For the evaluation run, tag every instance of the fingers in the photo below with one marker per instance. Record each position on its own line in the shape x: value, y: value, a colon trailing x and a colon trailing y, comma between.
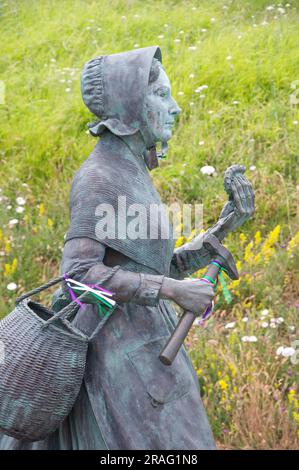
x: 243, y: 195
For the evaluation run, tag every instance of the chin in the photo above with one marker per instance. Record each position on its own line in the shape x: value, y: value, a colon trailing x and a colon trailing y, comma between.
x: 166, y: 136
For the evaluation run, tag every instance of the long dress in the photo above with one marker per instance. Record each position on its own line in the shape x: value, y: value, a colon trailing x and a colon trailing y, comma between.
x: 128, y: 399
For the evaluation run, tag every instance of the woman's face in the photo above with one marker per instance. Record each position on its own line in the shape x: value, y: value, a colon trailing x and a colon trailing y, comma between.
x: 160, y: 109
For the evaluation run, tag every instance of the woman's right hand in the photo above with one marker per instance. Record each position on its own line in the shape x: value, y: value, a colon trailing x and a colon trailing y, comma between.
x: 192, y: 295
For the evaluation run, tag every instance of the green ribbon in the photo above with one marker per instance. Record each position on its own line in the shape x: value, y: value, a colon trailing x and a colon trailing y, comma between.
x: 226, y: 293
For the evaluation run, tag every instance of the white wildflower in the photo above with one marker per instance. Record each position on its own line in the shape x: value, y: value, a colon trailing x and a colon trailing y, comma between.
x: 252, y: 168
x: 265, y: 312
x: 191, y: 75
x: 288, y: 352
x: 245, y: 319
x: 12, y: 222
x: 232, y: 324
x: 20, y: 201
x: 67, y: 90
x: 180, y: 93
x: 207, y: 170
x: 201, y: 142
x: 265, y: 324
x: 20, y: 209
x: 11, y: 286
x: 229, y: 57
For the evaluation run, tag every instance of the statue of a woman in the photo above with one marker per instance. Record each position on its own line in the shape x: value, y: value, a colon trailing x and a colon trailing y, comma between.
x: 129, y: 399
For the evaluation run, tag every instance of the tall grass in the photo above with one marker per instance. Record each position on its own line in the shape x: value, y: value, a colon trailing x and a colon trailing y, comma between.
x: 245, y: 56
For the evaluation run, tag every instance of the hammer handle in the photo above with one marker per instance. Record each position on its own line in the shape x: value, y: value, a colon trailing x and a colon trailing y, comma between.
x: 180, y: 332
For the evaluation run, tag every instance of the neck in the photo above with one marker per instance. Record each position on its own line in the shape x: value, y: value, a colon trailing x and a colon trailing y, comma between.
x: 135, y: 142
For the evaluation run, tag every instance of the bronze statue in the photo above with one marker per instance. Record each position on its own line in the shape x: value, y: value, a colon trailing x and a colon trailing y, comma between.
x: 129, y: 399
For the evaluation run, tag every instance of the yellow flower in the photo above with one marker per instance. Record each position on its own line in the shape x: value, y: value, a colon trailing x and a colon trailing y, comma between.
x: 1, y: 235
x: 257, y: 237
x: 248, y: 255
x: 223, y: 385
x: 293, y: 243
x: 9, y: 269
x: 296, y: 416
x: 291, y: 396
x: 191, y: 236
x: 199, y: 371
x: 41, y: 209
x: 6, y: 245
x: 50, y: 223
x: 243, y: 237
x: 179, y: 242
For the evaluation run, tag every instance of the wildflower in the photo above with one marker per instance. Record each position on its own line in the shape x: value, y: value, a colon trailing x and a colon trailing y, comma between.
x: 295, y: 123
x: 50, y: 223
x: 242, y: 237
x: 179, y: 242
x: 291, y: 395
x: 180, y: 93
x: 161, y: 36
x: 191, y: 75
x: 191, y: 103
x: 201, y: 88
x: 11, y: 286
x: 288, y: 352
x: 236, y: 102
x: 212, y: 20
x: 192, y: 48
x: 265, y: 324
x: 257, y: 237
x: 201, y: 142
x: 68, y: 90
x: 20, y: 209
x: 176, y: 40
x: 223, y: 385
x: 265, y: 312
x: 252, y: 168
x: 248, y: 255
x: 207, y: 170
x: 12, y: 223
x: 249, y: 339
x: 20, y: 201
x: 229, y: 57
x: 285, y: 351
x: 232, y: 324
x: 41, y: 209
x: 292, y: 328
x: 281, y: 10
x: 245, y: 319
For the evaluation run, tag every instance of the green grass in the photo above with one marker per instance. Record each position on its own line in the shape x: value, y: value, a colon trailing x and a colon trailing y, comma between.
x: 248, y: 59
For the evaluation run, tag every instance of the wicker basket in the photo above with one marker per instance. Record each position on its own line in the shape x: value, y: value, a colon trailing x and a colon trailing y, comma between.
x: 43, y: 365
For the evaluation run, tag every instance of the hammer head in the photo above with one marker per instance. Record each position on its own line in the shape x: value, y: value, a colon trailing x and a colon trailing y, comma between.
x: 213, y: 245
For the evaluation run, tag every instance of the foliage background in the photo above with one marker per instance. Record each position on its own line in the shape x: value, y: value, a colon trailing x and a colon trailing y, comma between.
x: 245, y: 55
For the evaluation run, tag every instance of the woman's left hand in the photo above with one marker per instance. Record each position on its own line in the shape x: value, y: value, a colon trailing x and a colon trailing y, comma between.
x: 240, y: 206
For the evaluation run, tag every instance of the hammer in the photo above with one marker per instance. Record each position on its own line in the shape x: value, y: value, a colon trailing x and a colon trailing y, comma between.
x: 222, y: 259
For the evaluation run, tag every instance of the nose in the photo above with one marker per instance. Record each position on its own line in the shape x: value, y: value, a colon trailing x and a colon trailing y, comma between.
x: 174, y: 108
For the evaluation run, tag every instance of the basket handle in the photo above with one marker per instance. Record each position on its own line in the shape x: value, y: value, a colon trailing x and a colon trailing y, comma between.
x: 50, y: 283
